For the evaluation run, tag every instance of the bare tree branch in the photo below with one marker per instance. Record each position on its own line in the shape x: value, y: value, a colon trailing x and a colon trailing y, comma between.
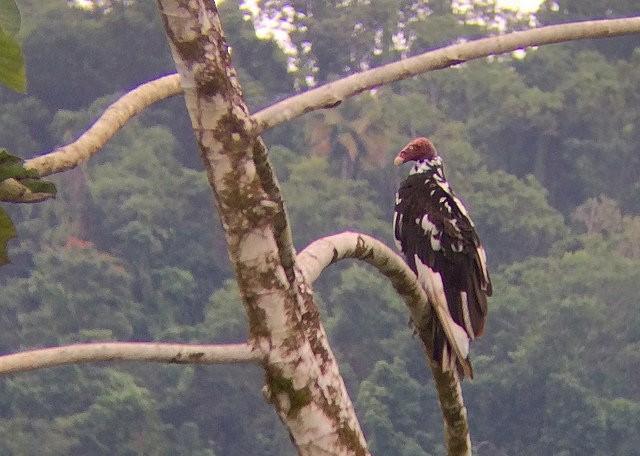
x: 320, y: 254
x: 91, y: 141
x: 302, y: 376
x: 108, y: 124
x: 333, y: 93
x: 316, y: 257
x: 128, y: 351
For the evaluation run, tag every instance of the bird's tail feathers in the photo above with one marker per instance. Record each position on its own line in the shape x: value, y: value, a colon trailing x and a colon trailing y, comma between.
x: 448, y: 335
x: 447, y: 357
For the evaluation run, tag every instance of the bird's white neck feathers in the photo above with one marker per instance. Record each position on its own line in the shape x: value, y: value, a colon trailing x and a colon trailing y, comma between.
x: 427, y: 165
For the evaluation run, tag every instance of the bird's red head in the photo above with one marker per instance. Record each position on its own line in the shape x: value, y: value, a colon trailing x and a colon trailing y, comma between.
x: 417, y: 149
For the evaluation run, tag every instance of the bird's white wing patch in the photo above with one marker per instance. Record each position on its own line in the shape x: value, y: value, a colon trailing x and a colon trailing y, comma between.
x: 397, y: 229
x: 397, y: 222
x: 463, y: 209
x: 431, y: 231
x: 465, y: 314
x: 483, y: 262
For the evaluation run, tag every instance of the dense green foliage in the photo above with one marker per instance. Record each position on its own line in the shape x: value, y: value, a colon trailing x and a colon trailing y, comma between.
x: 544, y: 150
x: 12, y: 167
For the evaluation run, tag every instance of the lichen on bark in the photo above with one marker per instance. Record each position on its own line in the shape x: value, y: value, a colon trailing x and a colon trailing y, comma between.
x: 277, y: 384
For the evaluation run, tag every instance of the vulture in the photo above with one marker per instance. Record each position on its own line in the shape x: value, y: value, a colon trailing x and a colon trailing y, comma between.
x: 435, y: 234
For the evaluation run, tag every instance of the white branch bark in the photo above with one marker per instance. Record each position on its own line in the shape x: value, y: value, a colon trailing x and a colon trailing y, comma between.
x: 323, y: 252
x: 306, y: 387
x: 316, y: 257
x: 107, y: 125
x: 326, y: 96
x: 127, y: 351
x: 320, y: 254
x: 332, y: 94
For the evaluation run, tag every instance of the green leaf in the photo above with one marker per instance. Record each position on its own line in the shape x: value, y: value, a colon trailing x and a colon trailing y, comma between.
x: 7, y: 231
x: 9, y: 17
x: 39, y: 186
x: 12, y: 167
x: 15, y: 170
x: 6, y: 157
x: 12, y: 71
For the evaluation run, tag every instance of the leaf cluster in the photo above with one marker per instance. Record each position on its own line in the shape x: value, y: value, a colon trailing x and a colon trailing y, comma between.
x: 12, y: 167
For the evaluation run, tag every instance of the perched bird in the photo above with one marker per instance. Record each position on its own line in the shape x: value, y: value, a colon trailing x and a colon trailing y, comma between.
x: 438, y: 239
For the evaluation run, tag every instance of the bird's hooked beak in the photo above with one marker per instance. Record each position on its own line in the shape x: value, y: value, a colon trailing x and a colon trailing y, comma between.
x: 401, y: 158
x: 404, y: 154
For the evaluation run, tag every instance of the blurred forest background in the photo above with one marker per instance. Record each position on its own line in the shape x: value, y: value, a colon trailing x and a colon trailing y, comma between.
x: 544, y: 148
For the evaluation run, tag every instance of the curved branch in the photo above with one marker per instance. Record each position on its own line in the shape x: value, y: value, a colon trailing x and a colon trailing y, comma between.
x: 323, y: 252
x: 316, y: 257
x: 107, y: 125
x: 320, y: 254
x: 127, y: 351
x: 332, y: 94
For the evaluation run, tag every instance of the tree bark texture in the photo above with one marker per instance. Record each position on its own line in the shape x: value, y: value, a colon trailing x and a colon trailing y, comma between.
x: 302, y: 377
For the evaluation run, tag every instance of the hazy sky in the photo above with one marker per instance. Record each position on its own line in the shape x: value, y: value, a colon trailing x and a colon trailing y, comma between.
x: 524, y: 5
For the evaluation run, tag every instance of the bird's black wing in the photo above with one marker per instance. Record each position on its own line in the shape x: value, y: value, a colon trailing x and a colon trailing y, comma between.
x: 434, y: 232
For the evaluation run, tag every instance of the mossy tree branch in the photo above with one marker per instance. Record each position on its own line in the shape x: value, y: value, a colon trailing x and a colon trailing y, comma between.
x: 325, y: 96
x: 285, y: 331
x: 324, y: 252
